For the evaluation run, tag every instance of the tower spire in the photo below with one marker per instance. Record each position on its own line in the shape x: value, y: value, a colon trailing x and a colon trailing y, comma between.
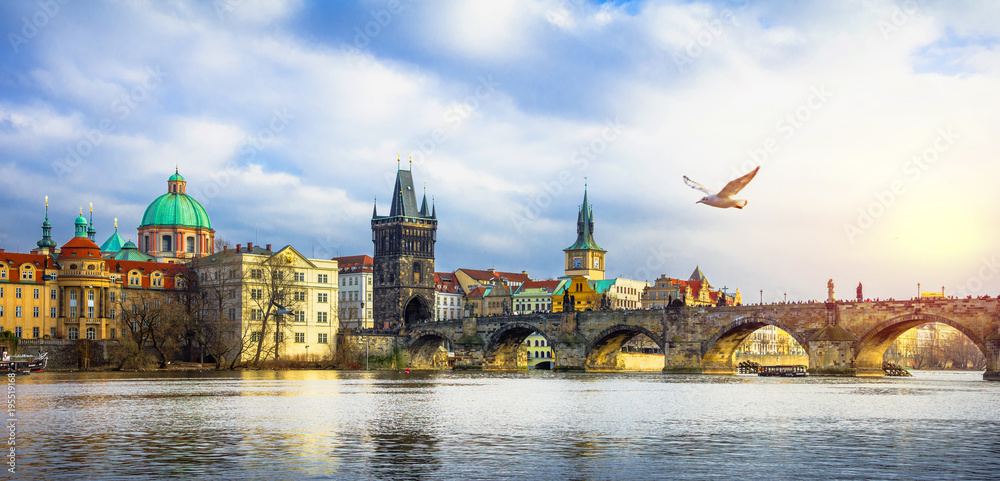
x: 91, y: 231
x: 375, y: 208
x: 46, y: 242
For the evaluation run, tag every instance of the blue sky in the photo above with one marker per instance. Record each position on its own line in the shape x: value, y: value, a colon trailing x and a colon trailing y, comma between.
x: 873, y: 123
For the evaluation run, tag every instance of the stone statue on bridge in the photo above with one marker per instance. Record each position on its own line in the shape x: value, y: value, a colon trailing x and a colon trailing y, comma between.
x: 860, y: 297
x: 829, y: 291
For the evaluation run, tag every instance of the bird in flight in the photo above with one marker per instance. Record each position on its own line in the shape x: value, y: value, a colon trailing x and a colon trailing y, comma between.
x: 724, y: 199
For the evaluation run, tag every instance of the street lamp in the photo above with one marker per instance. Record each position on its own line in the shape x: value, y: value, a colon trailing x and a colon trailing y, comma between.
x: 279, y: 336
x: 762, y: 297
x: 307, y: 352
x: 786, y: 299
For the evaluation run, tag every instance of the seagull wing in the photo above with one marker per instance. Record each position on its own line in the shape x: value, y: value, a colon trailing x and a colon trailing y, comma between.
x: 695, y: 185
x: 736, y: 185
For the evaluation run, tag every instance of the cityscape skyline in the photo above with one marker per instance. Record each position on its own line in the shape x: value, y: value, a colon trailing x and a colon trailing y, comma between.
x: 871, y: 124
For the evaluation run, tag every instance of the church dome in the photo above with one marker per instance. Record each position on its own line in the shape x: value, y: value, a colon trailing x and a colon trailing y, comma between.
x: 176, y: 208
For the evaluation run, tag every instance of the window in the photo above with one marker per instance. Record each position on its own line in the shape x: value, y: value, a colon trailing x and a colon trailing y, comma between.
x: 52, y: 332
x: 17, y: 311
x: 322, y: 297
x: 232, y: 314
x: 27, y: 274
x: 52, y: 295
x: 300, y: 277
x: 189, y: 244
x: 52, y: 312
x: 17, y: 332
x: 300, y: 316
x: 3, y: 273
x: 37, y: 293
x: 35, y: 312
x: 123, y: 296
x: 279, y: 337
x: 300, y: 295
x: 112, y: 315
x: 91, y: 333
x: 167, y: 243
x: 321, y: 338
x: 133, y: 280
x: 256, y: 293
x: 322, y: 278
x: 17, y: 292
x: 112, y: 333
x: 300, y: 337
x: 1, y: 291
x: 74, y: 333
x: 321, y: 317
x: 255, y: 336
x: 34, y: 332
x: 256, y: 273
x: 111, y: 296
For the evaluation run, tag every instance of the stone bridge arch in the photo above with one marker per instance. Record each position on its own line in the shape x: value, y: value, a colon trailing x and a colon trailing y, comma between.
x: 424, y: 350
x: 602, y: 352
x: 717, y: 351
x: 501, y: 350
x: 869, y: 349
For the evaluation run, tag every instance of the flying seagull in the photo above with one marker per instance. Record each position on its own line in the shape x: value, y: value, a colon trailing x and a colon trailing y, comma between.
x: 724, y: 198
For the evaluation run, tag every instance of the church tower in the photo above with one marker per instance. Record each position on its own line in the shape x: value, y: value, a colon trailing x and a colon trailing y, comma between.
x: 585, y: 257
x: 403, y: 268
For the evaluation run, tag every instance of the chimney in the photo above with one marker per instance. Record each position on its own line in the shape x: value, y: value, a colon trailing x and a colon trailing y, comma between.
x: 239, y: 247
x: 269, y: 247
x: 249, y: 246
x: 225, y: 248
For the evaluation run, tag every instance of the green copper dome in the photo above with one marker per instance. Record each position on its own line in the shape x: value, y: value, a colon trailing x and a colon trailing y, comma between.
x: 176, y: 177
x: 176, y: 210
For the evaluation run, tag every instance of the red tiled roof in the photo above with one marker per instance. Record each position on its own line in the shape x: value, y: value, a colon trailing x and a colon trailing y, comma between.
x: 476, y: 293
x: 445, y: 282
x: 80, y: 248
x: 15, y: 260
x: 490, y: 275
x: 361, y: 263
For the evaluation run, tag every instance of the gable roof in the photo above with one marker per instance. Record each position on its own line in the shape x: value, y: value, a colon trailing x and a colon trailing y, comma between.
x: 486, y: 276
x: 547, y: 287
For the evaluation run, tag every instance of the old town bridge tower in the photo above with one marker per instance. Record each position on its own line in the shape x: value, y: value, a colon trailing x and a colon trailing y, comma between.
x: 404, y: 258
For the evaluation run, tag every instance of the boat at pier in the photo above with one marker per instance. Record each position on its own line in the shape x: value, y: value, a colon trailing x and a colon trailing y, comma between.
x: 782, y: 371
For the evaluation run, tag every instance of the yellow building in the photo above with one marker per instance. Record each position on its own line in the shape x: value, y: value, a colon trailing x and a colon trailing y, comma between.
x: 280, y: 302
x: 538, y: 352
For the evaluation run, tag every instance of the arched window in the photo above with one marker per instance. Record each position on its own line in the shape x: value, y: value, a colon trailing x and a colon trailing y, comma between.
x: 74, y: 333
x: 189, y: 245
x: 167, y: 243
x: 416, y: 272
x: 91, y: 333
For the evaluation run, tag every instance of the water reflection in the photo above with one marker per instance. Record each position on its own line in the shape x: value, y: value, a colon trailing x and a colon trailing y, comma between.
x: 443, y: 425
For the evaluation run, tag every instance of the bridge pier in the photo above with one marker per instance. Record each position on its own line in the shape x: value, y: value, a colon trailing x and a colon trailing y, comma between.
x: 992, y: 358
x: 831, y: 353
x: 570, y: 353
x: 683, y: 357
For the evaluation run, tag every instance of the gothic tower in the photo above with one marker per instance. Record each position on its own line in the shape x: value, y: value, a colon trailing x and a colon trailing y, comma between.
x: 404, y: 258
x: 585, y: 257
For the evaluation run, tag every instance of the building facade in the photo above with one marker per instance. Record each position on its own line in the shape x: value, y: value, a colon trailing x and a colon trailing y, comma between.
x: 535, y: 296
x: 449, y: 299
x: 356, y: 291
x: 403, y: 264
x: 278, y: 304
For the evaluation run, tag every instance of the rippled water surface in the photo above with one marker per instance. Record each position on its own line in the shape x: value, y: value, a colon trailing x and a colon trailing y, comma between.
x: 529, y: 426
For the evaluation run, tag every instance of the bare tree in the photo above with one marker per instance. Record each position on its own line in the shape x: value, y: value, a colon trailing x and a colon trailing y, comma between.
x: 215, y: 294
x: 272, y: 290
x: 150, y: 320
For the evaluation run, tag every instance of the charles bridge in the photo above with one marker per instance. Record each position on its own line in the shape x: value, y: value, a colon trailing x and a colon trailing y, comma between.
x: 841, y: 338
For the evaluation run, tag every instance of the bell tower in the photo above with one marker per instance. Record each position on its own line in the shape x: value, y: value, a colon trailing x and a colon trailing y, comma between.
x: 403, y: 267
x: 585, y: 258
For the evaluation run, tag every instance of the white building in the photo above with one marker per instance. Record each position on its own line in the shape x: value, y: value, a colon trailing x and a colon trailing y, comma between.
x: 356, y: 291
x: 449, y: 298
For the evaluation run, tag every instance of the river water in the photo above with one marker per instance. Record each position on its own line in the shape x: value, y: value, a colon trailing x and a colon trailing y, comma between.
x: 527, y: 425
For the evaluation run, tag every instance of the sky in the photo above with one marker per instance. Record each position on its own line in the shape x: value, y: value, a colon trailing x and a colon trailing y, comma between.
x: 873, y: 122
